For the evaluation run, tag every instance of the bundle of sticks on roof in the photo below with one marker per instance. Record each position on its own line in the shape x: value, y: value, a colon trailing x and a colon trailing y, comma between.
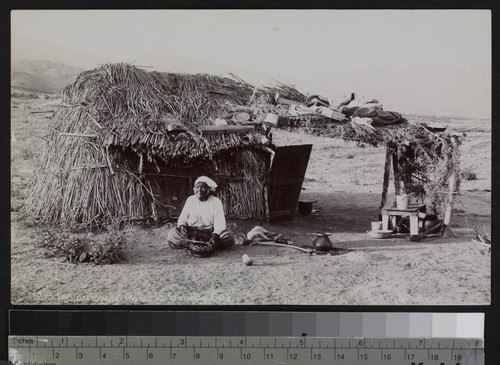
x: 85, y: 174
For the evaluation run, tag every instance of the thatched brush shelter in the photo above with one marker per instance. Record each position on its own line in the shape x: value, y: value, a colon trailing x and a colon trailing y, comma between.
x: 424, y: 161
x: 126, y: 144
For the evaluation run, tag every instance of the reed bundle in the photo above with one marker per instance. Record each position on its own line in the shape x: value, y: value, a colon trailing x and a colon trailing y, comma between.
x: 243, y: 175
x: 285, y: 91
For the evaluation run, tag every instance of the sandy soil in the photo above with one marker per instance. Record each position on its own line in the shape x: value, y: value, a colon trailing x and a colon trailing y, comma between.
x: 346, y: 181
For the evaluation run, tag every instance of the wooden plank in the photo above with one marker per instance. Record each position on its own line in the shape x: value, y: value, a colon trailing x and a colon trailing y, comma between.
x: 219, y: 129
x: 78, y: 135
x: 293, y: 181
x: 281, y: 100
x: 285, y: 180
x: 282, y: 213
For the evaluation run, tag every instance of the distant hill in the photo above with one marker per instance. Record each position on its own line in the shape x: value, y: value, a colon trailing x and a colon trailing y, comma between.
x: 42, y: 76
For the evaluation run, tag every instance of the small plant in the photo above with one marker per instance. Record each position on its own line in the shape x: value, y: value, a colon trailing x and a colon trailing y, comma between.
x: 111, y: 249
x: 468, y: 174
x: 63, y: 243
x: 106, y: 248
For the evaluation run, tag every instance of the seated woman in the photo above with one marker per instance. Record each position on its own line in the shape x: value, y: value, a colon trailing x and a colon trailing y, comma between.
x: 202, y: 219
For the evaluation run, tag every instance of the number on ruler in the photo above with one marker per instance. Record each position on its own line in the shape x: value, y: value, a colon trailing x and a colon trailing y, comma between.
x: 292, y: 356
x: 386, y: 357
x: 316, y: 357
x: 363, y: 356
x: 246, y: 356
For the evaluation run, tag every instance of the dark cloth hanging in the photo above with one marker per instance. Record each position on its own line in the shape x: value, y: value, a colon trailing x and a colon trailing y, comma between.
x: 379, y: 117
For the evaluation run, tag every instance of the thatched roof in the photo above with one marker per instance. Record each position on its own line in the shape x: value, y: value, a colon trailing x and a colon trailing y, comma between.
x: 127, y: 106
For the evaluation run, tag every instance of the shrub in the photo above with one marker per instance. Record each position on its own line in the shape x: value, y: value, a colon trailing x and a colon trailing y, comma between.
x: 111, y: 249
x: 468, y: 174
x: 105, y: 248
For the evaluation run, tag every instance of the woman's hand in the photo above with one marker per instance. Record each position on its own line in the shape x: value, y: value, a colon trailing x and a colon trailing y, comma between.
x: 184, y: 230
x: 214, y: 240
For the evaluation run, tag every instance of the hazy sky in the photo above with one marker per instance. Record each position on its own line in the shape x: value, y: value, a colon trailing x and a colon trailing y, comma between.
x: 314, y: 49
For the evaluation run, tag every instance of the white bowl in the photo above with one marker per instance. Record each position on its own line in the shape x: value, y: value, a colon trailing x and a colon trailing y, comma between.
x: 379, y: 234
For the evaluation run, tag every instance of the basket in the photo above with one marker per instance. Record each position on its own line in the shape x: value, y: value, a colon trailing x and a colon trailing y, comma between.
x: 201, y: 249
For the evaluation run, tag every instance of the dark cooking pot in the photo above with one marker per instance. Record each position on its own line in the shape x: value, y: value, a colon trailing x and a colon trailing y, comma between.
x: 431, y: 224
x: 305, y: 207
x: 322, y: 242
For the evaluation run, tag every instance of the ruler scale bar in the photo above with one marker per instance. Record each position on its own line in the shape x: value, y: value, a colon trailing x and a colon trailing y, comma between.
x: 249, y: 350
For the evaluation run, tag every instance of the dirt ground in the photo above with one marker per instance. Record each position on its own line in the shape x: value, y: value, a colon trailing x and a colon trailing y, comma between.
x: 344, y: 178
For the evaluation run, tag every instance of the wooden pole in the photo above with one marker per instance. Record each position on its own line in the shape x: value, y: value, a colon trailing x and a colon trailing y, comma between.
x: 266, y: 202
x: 43, y: 111
x: 395, y: 169
x: 387, y: 173
x: 453, y: 186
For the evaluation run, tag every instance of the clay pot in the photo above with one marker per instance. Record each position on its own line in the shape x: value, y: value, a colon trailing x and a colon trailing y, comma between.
x: 322, y: 242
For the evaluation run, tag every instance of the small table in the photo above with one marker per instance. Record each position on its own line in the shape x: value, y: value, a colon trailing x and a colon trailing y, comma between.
x: 413, y: 211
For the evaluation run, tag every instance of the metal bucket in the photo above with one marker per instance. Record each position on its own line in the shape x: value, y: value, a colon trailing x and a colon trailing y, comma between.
x: 402, y: 202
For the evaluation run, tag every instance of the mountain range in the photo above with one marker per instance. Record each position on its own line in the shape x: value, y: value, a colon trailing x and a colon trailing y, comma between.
x: 42, y: 76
